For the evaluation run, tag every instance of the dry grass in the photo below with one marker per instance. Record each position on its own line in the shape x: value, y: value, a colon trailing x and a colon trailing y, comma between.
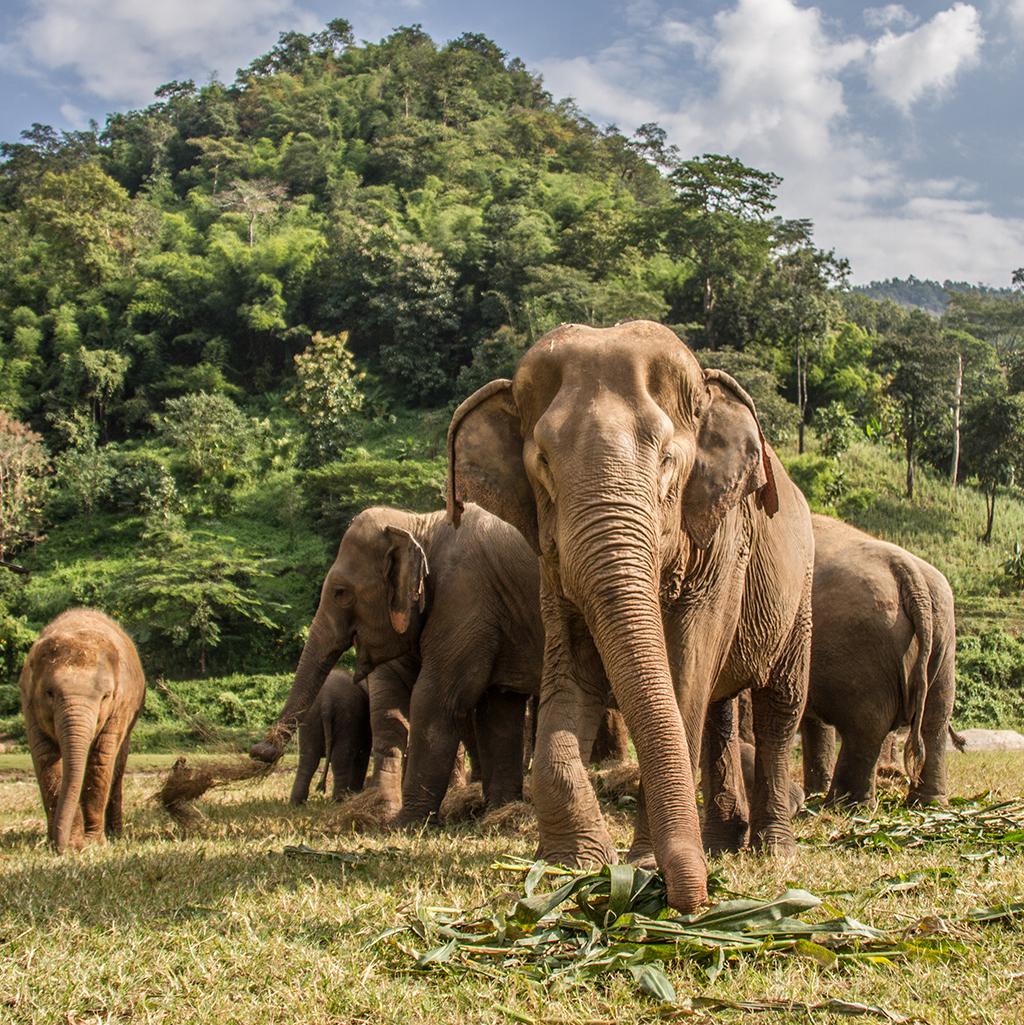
x: 222, y: 927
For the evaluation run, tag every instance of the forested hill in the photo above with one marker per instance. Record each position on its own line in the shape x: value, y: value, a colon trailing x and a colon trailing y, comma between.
x: 234, y: 318
x: 927, y: 295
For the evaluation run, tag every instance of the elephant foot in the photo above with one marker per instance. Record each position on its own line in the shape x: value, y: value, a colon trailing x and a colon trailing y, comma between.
x: 580, y: 852
x: 774, y: 839
x: 921, y: 798
x: 723, y: 836
x: 413, y: 819
x: 370, y: 810
x: 841, y: 800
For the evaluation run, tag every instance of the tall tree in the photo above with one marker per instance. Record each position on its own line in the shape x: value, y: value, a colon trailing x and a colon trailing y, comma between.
x: 921, y: 368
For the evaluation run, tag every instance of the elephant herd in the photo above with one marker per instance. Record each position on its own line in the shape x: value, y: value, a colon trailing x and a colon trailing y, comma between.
x: 618, y: 536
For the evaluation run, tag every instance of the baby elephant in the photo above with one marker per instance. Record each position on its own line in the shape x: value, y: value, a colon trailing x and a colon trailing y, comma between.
x: 82, y: 689
x: 337, y: 729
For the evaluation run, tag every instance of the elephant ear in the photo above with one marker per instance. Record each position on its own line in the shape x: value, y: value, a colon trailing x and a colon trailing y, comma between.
x: 405, y: 572
x: 485, y: 460
x: 733, y: 460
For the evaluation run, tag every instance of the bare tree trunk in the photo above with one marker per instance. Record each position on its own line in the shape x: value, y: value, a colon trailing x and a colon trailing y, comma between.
x: 910, y: 464
x: 801, y: 396
x: 990, y: 511
x: 954, y: 467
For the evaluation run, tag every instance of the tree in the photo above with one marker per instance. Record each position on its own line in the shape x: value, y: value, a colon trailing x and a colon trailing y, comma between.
x: 994, y: 446
x: 19, y: 357
x: 87, y: 218
x: 921, y: 368
x: 326, y: 395
x: 215, y: 439
x: 719, y: 219
x: 190, y: 588
x: 24, y: 466
x: 253, y: 199
x: 798, y: 309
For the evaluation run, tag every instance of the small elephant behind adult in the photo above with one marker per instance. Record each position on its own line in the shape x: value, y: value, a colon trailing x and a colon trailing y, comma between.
x: 883, y: 656
x: 335, y: 730
x: 449, y: 624
x: 82, y: 688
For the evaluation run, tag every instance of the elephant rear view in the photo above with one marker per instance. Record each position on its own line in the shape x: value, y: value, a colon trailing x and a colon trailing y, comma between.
x: 82, y: 688
x: 883, y: 655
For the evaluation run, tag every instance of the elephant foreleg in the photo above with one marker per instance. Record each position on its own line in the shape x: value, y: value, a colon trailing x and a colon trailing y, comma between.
x: 115, y: 805
x: 389, y: 726
x: 311, y: 749
x: 46, y: 761
x: 778, y: 708
x: 726, y: 808
x: 99, y: 778
x: 433, y: 742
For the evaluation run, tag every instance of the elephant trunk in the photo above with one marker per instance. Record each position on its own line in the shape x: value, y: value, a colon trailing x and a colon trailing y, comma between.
x: 319, y: 656
x: 612, y: 565
x: 76, y: 731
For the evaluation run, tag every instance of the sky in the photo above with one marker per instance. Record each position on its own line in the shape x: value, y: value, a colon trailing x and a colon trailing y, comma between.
x: 897, y: 128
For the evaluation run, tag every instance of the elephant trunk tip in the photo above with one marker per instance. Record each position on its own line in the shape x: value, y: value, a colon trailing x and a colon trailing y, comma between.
x: 271, y: 747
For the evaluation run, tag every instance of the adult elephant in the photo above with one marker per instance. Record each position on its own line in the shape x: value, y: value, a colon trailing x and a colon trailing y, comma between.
x: 448, y: 621
x: 336, y: 729
x: 883, y: 656
x: 676, y: 560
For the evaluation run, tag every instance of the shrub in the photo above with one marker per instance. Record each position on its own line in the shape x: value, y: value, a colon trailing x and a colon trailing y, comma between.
x: 338, y: 491
x: 989, y: 680
x: 836, y: 428
x: 24, y: 465
x: 326, y: 396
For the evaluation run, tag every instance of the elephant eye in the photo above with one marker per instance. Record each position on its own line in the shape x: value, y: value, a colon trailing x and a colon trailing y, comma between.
x: 542, y: 459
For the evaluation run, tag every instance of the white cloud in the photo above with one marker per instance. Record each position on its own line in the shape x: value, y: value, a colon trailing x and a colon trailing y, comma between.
x: 904, y: 68
x: 75, y: 116
x: 769, y: 86
x: 119, y: 50
x: 889, y: 15
x: 1015, y: 11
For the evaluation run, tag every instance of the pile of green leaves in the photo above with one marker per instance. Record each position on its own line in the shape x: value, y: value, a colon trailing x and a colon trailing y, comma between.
x: 618, y: 919
x: 967, y: 820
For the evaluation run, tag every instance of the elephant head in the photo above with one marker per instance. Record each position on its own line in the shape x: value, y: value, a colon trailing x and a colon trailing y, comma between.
x: 617, y: 457
x: 373, y: 597
x: 74, y: 680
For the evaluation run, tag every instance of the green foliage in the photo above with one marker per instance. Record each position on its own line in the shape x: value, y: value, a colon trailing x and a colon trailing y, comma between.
x: 836, y: 428
x: 1013, y: 568
x: 24, y: 464
x: 338, y: 491
x: 989, y: 679
x: 216, y: 443
x: 84, y: 476
x: 192, y: 588
x: 326, y: 395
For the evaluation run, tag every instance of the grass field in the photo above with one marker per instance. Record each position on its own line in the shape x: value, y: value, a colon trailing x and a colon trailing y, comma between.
x: 223, y: 927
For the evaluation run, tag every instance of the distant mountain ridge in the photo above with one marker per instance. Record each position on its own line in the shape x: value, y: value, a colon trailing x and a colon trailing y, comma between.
x: 923, y: 295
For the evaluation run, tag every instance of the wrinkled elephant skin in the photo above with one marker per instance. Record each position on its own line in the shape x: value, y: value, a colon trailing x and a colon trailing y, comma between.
x: 446, y: 626
x: 676, y: 559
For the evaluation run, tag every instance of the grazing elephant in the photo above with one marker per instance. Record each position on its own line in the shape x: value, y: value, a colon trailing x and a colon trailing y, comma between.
x: 676, y: 561
x: 336, y: 729
x: 82, y: 688
x: 449, y: 622
x: 883, y: 656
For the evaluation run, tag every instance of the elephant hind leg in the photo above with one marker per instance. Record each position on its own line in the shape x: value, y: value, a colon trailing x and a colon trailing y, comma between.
x: 818, y: 751
x: 500, y: 722
x: 931, y: 787
x: 854, y: 778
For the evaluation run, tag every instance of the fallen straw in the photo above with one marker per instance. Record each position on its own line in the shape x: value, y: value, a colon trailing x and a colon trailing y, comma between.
x: 185, y: 784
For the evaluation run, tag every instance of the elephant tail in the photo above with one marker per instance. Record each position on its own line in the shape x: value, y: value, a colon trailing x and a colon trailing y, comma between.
x: 321, y: 787
x: 917, y: 604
